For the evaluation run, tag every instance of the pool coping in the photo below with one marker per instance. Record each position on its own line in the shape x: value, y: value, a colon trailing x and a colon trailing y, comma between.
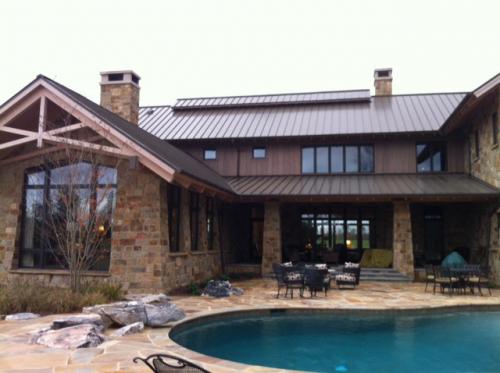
x: 209, y: 362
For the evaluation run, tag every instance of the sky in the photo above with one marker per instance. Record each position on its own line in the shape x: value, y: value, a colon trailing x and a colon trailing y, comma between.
x: 195, y: 48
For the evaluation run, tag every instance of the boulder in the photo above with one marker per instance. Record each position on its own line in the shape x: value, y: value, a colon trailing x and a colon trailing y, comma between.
x: 22, y: 316
x: 78, y: 336
x: 129, y: 329
x: 219, y: 289
x: 119, y: 313
x: 148, y: 298
x: 92, y: 318
x: 163, y: 314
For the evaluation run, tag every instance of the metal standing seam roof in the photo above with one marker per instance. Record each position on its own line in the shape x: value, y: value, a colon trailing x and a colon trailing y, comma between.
x: 362, y: 185
x: 180, y: 161
x: 381, y: 114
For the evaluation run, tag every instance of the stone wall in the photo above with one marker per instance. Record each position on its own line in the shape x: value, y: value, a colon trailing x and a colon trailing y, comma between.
x: 122, y: 99
x: 271, y: 250
x: 402, y: 239
x: 140, y: 258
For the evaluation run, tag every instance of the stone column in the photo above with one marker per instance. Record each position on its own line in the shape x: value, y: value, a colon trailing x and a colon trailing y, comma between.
x: 271, y: 250
x: 402, y: 239
x: 494, y: 255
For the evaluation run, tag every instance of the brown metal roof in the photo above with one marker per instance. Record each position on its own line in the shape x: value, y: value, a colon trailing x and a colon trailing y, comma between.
x: 362, y: 185
x: 382, y: 114
x: 273, y: 100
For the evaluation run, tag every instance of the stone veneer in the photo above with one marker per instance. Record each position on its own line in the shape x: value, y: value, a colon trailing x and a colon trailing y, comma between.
x: 402, y: 239
x: 271, y: 250
x: 140, y: 259
x: 122, y: 99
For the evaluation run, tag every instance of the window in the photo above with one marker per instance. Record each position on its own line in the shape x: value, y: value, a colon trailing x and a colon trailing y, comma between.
x: 259, y: 153
x: 210, y: 223
x: 494, y: 126
x: 337, y: 159
x: 174, y: 222
x: 476, y: 143
x: 431, y: 157
x: 210, y: 154
x: 194, y: 214
x: 56, y: 198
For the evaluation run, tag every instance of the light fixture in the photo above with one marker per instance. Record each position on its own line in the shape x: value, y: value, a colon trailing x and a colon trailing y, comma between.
x: 348, y: 243
x: 101, y: 228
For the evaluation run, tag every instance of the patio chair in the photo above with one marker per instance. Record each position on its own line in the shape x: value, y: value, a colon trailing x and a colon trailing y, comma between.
x: 480, y: 279
x: 430, y: 277
x: 278, y: 274
x: 445, y: 280
x: 294, y: 279
x: 163, y: 363
x: 316, y: 280
x: 349, y: 276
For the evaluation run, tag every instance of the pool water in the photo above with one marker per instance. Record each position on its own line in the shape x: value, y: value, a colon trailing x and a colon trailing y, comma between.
x: 444, y: 342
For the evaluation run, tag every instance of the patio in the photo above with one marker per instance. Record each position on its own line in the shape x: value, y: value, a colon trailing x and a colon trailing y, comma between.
x: 17, y: 355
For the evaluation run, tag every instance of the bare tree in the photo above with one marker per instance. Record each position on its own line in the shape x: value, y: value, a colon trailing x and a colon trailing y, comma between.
x: 79, y: 203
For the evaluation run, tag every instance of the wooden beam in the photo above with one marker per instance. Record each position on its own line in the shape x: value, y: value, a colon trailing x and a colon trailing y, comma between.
x: 71, y: 127
x: 41, y: 121
x: 88, y: 145
x: 5, y: 118
x: 17, y: 131
x: 12, y: 143
x: 29, y: 155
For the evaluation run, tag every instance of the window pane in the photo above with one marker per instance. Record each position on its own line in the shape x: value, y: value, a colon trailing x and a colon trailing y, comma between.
x: 106, y: 175
x: 351, y: 159
x: 259, y: 153
x: 337, y: 158
x: 79, y: 173
x: 366, y: 153
x: 322, y: 234
x: 423, y: 158
x: 30, y: 259
x: 33, y: 219
x: 352, y: 234
x: 36, y: 178
x: 210, y: 154
x: 322, y: 160
x: 339, y: 232
x: 365, y: 235
x: 308, y: 160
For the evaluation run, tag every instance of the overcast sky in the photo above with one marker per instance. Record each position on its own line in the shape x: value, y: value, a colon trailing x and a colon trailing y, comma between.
x: 204, y: 48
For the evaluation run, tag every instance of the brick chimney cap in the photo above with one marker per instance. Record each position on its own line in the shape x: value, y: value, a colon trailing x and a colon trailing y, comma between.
x: 383, y: 73
x: 120, y: 77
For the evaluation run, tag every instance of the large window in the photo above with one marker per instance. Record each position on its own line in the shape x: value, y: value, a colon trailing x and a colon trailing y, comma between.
x: 194, y: 214
x: 338, y: 159
x: 174, y: 216
x: 431, y: 157
x: 60, y: 197
x: 210, y: 222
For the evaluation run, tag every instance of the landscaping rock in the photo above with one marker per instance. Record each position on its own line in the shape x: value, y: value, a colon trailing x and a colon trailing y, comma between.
x: 78, y: 336
x: 129, y: 329
x: 22, y: 316
x: 161, y: 315
x: 219, y: 289
x: 93, y: 319
x: 149, y: 298
x: 119, y: 313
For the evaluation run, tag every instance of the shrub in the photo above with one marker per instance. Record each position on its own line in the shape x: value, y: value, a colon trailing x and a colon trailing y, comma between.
x: 30, y: 296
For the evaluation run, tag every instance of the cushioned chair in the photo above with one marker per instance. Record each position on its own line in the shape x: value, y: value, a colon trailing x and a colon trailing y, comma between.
x: 294, y: 279
x: 480, y: 279
x: 163, y: 363
x: 316, y: 280
x: 430, y: 277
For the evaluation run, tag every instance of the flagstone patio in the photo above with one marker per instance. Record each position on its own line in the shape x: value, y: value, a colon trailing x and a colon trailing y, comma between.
x: 17, y: 355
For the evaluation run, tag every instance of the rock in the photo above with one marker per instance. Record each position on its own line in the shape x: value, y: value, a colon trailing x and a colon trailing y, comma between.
x: 219, y: 289
x: 161, y: 315
x: 78, y: 336
x: 22, y: 316
x: 129, y: 329
x: 119, y: 313
x: 92, y: 318
x: 149, y: 298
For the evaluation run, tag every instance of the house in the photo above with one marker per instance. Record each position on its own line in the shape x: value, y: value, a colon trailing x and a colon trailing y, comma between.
x: 236, y: 183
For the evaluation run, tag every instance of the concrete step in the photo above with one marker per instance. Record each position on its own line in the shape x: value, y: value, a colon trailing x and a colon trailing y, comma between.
x: 383, y: 274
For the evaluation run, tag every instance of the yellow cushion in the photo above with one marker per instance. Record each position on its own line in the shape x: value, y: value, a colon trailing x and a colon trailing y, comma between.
x: 376, y: 258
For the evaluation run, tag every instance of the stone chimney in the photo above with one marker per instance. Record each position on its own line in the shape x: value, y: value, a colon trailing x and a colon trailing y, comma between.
x: 120, y: 93
x: 383, y: 82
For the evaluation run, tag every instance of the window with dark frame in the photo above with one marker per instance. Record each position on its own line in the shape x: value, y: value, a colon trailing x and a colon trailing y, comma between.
x: 194, y: 219
x: 494, y: 127
x: 93, y: 186
x: 174, y: 222
x: 338, y: 159
x: 259, y: 153
x: 210, y: 222
x: 431, y: 157
x: 209, y: 154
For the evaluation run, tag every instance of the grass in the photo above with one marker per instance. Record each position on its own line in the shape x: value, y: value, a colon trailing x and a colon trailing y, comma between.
x: 30, y: 296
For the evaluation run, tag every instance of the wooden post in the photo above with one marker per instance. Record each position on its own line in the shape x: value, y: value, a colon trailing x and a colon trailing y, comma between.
x: 41, y: 121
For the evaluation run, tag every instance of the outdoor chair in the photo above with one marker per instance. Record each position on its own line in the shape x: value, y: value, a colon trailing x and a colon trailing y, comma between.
x: 349, y: 276
x: 278, y: 274
x: 430, y: 277
x: 316, y: 280
x: 445, y: 280
x: 294, y: 279
x: 479, y: 278
x: 163, y: 363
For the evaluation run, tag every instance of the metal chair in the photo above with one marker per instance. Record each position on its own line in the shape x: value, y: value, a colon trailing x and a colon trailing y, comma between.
x: 316, y: 280
x: 430, y: 277
x: 480, y: 279
x: 294, y: 279
x: 163, y: 363
x: 278, y: 274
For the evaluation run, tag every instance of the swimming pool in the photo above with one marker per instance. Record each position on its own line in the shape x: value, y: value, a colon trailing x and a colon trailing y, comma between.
x: 332, y: 342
